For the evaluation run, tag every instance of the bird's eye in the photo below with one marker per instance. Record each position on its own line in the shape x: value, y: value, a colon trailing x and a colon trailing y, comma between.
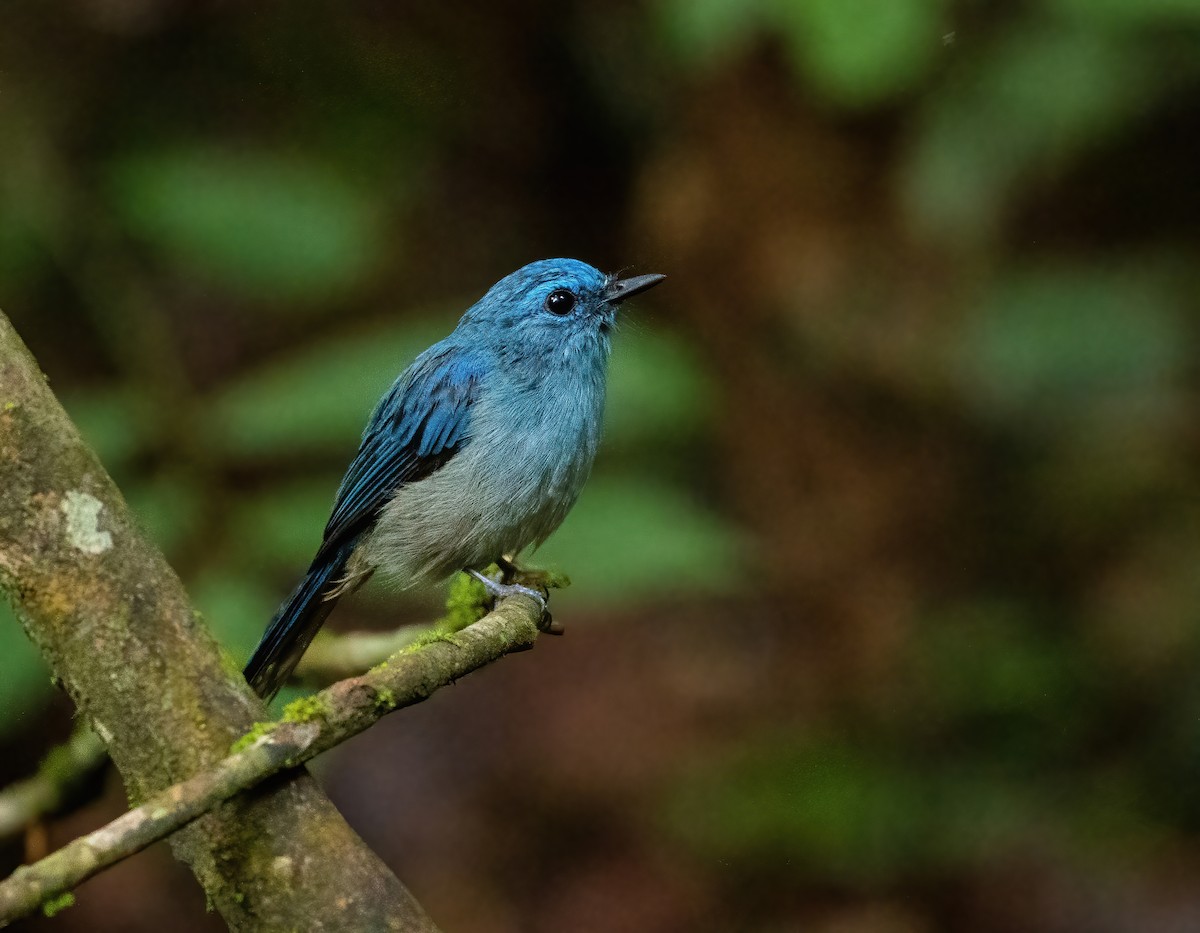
x: 560, y: 301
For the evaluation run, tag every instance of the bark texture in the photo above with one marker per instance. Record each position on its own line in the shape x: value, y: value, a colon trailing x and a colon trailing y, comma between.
x: 114, y: 622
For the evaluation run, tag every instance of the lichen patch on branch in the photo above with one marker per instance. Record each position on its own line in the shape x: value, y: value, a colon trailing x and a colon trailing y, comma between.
x: 83, y: 523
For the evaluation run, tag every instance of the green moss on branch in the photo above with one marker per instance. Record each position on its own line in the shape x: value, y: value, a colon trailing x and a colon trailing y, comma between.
x: 307, y: 727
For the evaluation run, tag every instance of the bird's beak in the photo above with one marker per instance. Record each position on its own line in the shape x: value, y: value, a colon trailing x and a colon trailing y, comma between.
x: 618, y: 290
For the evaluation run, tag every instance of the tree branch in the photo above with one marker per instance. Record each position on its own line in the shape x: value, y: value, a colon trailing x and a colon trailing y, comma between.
x: 56, y: 785
x: 67, y: 769
x: 331, y: 657
x: 309, y: 726
x: 55, y: 788
x: 115, y: 625
x: 32, y: 885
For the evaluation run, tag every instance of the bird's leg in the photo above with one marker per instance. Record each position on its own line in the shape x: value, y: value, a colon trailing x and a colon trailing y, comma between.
x: 543, y: 579
x: 502, y: 590
x: 508, y: 568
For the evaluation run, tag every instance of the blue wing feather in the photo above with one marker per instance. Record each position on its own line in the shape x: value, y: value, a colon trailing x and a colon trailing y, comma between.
x: 417, y: 427
x: 421, y: 422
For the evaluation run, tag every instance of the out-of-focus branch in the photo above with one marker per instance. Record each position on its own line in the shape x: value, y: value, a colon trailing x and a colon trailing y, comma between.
x: 331, y: 658
x: 309, y: 726
x: 115, y: 625
x: 56, y: 786
x: 64, y: 774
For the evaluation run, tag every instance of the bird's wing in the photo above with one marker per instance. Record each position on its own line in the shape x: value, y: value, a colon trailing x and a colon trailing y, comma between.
x: 422, y: 422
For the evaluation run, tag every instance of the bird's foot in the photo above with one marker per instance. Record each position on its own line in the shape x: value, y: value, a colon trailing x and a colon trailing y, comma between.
x: 501, y: 591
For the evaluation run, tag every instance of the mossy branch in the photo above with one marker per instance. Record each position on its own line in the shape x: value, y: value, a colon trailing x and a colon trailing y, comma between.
x: 65, y: 772
x: 335, y: 657
x: 116, y: 627
x: 331, y: 657
x: 63, y: 778
x: 31, y: 886
x: 68, y: 776
x: 308, y: 727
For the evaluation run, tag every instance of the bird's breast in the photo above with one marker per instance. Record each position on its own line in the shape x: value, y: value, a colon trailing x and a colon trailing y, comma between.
x: 547, y: 436
x: 529, y: 453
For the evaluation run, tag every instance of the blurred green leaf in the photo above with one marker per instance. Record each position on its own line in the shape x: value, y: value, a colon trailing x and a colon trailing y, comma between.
x: 657, y: 391
x: 236, y: 608
x: 633, y: 538
x: 24, y: 677
x: 705, y: 32
x: 1130, y: 12
x: 22, y: 259
x: 317, y: 400
x: 1060, y: 340
x: 856, y: 53
x: 169, y: 506
x: 115, y: 421
x: 821, y: 808
x: 826, y: 809
x: 987, y: 658
x: 280, y: 528
x: 1110, y: 820
x: 268, y: 226
x: 1097, y: 469
x: 861, y: 52
x: 1029, y: 103
x: 817, y: 804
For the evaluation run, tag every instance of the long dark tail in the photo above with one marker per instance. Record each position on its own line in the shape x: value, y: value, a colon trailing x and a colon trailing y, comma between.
x: 296, y: 623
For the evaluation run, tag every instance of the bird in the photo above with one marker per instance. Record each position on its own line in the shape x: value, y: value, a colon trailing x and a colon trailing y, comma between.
x: 478, y: 450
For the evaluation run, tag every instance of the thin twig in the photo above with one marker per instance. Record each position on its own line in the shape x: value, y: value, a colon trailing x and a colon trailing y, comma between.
x: 56, y: 786
x: 308, y: 727
x: 331, y: 658
x: 67, y: 769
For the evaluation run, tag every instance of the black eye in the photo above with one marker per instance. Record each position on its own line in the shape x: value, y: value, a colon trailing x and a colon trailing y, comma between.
x: 560, y: 301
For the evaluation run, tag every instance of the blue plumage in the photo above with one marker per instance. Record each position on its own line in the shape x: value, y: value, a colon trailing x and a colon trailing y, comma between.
x: 479, y: 448
x: 417, y: 426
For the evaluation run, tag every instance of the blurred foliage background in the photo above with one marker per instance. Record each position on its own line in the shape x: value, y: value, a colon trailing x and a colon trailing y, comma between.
x: 888, y: 579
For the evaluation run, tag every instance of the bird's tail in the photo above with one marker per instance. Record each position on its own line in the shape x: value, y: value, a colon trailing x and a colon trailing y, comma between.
x: 296, y: 623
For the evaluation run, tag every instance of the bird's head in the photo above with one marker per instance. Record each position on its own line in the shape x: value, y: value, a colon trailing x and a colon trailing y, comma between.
x: 553, y: 308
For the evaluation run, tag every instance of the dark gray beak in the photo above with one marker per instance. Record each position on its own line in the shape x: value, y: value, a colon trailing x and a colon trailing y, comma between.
x: 618, y: 290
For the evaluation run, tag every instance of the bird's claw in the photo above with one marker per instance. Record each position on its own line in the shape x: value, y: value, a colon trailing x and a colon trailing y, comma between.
x: 501, y: 591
